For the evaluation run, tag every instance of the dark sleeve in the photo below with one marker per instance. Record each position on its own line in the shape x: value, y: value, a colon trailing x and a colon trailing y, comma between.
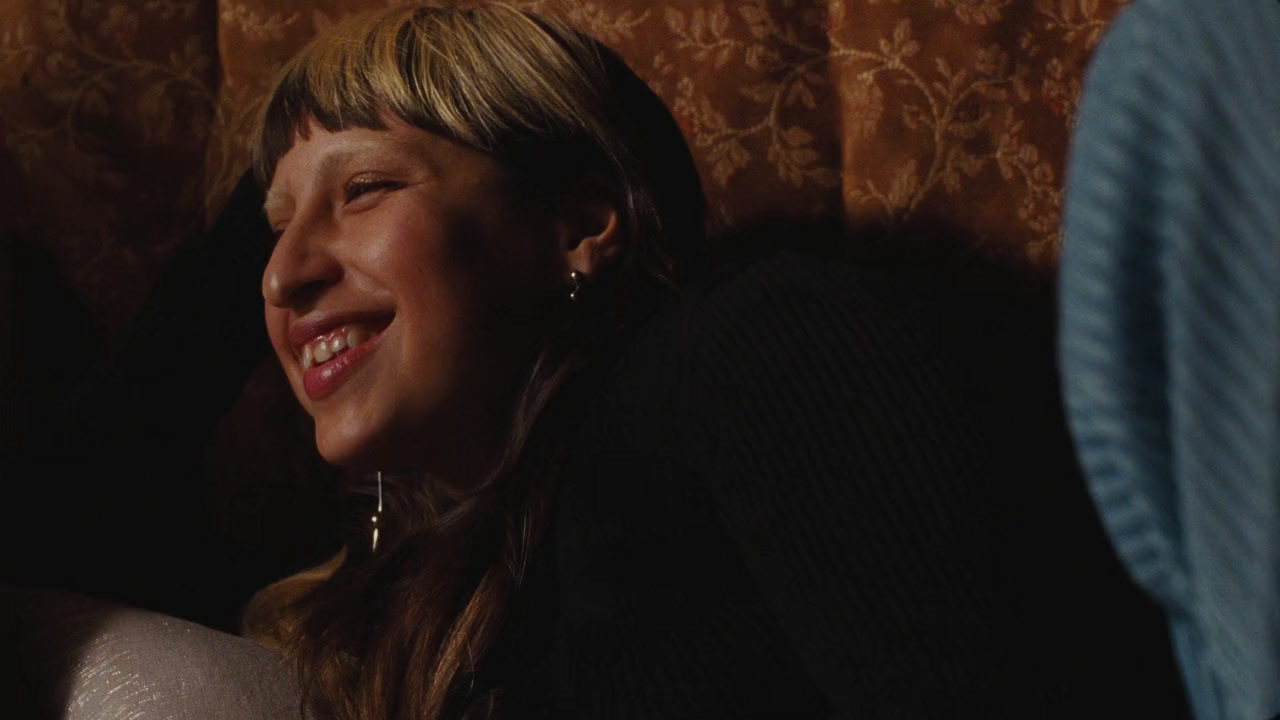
x: 846, y: 463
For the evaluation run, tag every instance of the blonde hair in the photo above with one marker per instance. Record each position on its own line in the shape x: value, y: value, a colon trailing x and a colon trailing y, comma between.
x: 401, y: 634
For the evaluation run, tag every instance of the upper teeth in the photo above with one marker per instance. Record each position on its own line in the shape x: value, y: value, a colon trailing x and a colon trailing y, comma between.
x: 325, y: 347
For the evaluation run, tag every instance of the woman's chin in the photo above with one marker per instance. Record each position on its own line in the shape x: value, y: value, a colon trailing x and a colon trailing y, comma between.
x: 354, y: 454
x: 367, y: 455
x: 451, y: 458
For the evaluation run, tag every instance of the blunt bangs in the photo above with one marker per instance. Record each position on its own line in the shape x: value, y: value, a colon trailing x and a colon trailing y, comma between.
x: 470, y: 79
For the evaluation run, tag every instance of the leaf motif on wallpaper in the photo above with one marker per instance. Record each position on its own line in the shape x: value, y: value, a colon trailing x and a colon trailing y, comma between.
x: 1077, y: 20
x: 1016, y: 158
x: 901, y: 45
x: 55, y: 63
x: 836, y: 14
x: 191, y: 59
x: 228, y: 150
x: 704, y: 35
x: 915, y: 116
x: 320, y: 21
x: 799, y: 92
x: 601, y: 22
x: 759, y: 22
x: 952, y: 83
x: 785, y: 80
x: 863, y: 105
x: 91, y: 60
x: 968, y: 124
x: 794, y: 155
x: 761, y: 57
x: 977, y: 12
x: 797, y: 136
x: 1060, y: 89
x: 991, y: 61
x: 950, y: 108
x: 707, y: 127
x: 764, y: 92
x: 598, y: 21
x: 14, y: 34
x: 726, y: 158
x: 675, y: 21
x: 903, y: 188
x: 954, y: 169
x: 257, y: 27
x: 17, y: 56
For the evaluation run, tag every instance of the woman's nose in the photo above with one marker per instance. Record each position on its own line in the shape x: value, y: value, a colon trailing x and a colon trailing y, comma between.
x: 301, y: 266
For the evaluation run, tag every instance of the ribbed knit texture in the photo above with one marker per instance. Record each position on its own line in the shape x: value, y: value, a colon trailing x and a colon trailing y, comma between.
x: 780, y: 505
x: 1170, y: 328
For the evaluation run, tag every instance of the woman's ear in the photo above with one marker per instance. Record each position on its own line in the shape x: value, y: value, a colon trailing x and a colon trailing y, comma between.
x: 591, y: 229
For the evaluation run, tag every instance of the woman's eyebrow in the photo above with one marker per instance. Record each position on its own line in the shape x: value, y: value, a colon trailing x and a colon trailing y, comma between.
x: 334, y: 159
x: 277, y: 200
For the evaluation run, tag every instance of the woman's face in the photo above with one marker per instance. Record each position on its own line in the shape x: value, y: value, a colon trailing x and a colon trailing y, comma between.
x: 403, y: 295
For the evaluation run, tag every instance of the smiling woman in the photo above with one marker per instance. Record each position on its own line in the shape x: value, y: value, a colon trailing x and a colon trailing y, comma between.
x: 469, y: 208
x: 620, y: 482
x: 617, y: 485
x: 399, y: 294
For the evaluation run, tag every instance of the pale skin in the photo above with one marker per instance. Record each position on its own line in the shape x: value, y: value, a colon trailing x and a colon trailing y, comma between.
x: 413, y: 253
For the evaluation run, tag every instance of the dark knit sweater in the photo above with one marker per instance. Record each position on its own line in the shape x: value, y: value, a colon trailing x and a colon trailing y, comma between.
x: 780, y: 504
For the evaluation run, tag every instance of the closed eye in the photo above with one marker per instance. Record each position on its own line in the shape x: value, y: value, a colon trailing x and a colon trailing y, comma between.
x: 277, y: 225
x: 358, y: 187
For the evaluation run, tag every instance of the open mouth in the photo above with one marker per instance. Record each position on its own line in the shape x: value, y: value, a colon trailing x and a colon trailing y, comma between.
x: 328, y: 359
x: 325, y: 348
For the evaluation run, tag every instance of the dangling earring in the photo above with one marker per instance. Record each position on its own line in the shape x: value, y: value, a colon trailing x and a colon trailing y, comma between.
x: 577, y: 279
x: 377, y: 514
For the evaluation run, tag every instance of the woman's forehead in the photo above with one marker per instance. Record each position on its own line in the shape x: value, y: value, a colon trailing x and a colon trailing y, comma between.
x: 317, y: 152
x: 319, y: 156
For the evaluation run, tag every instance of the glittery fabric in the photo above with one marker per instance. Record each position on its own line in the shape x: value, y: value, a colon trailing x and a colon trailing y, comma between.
x: 80, y: 659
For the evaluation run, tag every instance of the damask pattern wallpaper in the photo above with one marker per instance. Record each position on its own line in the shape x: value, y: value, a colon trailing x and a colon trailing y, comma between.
x: 124, y: 125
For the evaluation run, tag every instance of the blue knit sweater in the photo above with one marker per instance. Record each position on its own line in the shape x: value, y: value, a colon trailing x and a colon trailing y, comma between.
x: 1170, y: 330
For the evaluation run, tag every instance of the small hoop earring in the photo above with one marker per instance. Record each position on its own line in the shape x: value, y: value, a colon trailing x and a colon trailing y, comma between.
x: 377, y: 514
x: 578, y: 280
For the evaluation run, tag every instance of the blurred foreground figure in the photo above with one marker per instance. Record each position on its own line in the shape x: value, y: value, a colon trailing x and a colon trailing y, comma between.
x: 1171, y: 329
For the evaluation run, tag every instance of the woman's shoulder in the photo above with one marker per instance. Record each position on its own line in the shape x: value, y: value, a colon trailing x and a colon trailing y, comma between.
x: 768, y: 311
x: 78, y: 657
x: 780, y: 351
x: 808, y: 312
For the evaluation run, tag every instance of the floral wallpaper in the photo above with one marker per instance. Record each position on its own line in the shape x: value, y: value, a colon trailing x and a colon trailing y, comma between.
x: 105, y: 112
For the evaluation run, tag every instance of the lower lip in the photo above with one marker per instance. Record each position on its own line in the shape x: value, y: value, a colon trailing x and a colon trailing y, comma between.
x: 323, y: 380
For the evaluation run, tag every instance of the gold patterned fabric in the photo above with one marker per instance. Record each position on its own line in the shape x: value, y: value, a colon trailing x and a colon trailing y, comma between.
x: 124, y: 124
